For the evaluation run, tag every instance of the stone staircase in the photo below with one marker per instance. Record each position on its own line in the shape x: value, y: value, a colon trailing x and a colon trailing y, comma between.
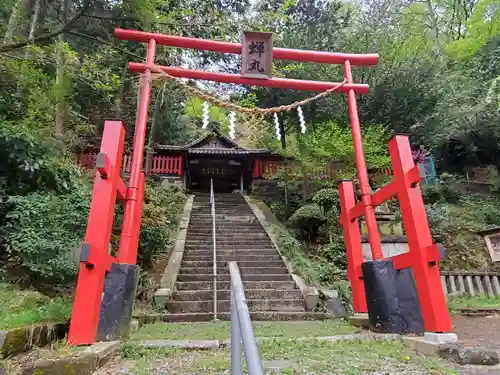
x: 270, y: 290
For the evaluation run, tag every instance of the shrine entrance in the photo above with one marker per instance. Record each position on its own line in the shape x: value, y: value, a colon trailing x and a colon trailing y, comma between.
x: 105, y: 291
x: 227, y: 175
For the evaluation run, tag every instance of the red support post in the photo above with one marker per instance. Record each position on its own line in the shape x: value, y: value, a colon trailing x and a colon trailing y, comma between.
x: 127, y: 252
x: 422, y: 250
x: 180, y: 170
x: 364, y: 186
x: 353, y: 247
x: 95, y: 260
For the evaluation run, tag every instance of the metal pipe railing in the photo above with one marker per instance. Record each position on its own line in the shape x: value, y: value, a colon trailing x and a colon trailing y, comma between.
x: 214, y: 242
x: 241, y: 328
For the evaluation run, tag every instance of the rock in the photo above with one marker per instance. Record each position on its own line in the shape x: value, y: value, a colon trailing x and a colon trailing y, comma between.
x: 469, y: 356
x: 333, y: 305
x: 335, y: 308
x: 83, y: 365
x: 329, y: 293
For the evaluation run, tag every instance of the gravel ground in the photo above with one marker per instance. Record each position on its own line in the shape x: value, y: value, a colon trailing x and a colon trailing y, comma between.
x: 474, y: 331
x: 285, y: 357
x: 478, y: 331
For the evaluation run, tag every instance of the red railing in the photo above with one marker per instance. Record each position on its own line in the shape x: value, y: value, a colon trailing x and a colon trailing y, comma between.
x: 159, y: 164
x: 265, y: 169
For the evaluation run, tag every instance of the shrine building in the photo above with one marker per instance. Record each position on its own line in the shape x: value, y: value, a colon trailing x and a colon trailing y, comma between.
x: 213, y: 156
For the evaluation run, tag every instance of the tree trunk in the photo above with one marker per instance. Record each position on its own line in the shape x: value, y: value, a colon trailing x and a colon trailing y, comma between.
x: 60, y: 104
x: 11, y: 26
x: 160, y: 99
x: 33, y: 24
x: 121, y: 96
x: 34, y: 20
x: 435, y: 28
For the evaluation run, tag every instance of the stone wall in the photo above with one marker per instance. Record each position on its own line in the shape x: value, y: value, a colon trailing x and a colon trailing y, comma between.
x: 266, y: 190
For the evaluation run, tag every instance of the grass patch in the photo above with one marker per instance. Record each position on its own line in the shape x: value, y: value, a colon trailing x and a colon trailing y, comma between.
x: 20, y: 308
x: 292, y: 357
x: 221, y: 330
x: 480, y: 302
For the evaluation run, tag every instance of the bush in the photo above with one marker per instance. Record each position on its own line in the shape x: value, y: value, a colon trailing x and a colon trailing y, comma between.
x: 292, y: 248
x: 31, y: 162
x: 332, y: 262
x: 307, y: 220
x: 43, y: 232
x: 326, y: 199
x: 331, y: 230
x: 160, y: 217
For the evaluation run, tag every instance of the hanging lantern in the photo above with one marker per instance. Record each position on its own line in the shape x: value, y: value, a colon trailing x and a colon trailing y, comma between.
x: 277, y: 126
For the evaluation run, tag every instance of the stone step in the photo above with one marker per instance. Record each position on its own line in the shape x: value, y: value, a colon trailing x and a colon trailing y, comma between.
x: 255, y: 316
x: 227, y: 235
x: 237, y: 253
x: 248, y: 243
x: 225, y: 270
x: 226, y: 285
x: 237, y: 248
x: 222, y: 230
x: 222, y: 264
x: 207, y: 295
x: 224, y: 305
x: 225, y: 225
x: 229, y: 239
x: 225, y: 277
x: 232, y: 258
x: 221, y: 223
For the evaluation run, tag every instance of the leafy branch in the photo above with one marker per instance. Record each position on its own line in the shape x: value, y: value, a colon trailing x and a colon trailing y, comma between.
x: 52, y: 34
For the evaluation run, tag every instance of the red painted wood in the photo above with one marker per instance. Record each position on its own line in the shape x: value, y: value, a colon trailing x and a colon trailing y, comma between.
x: 236, y: 48
x: 127, y: 251
x: 159, y: 164
x: 282, y: 83
x: 427, y: 277
x: 87, y: 303
x: 353, y: 247
x: 364, y: 185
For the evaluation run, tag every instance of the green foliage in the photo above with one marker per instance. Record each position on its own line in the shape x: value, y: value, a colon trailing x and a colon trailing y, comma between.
x: 30, y: 161
x: 160, y: 218
x: 326, y: 199
x: 442, y: 191
x: 20, y: 308
x: 294, y: 251
x: 43, y: 232
x: 307, y: 220
x: 454, y: 225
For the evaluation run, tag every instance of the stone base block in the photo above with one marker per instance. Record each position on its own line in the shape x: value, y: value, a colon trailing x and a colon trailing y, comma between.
x: 117, y: 302
x: 440, y: 338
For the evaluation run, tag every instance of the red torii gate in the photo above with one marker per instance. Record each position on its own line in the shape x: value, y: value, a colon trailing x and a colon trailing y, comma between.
x: 103, y: 315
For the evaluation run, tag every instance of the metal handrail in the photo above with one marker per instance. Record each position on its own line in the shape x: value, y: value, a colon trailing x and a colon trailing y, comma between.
x: 214, y: 242
x: 241, y: 328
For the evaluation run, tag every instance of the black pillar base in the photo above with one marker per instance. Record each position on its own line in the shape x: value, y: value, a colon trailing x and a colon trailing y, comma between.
x: 392, y: 299
x: 117, y: 302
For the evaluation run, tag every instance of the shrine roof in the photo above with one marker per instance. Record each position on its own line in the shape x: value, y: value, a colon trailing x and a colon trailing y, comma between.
x: 215, y: 142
